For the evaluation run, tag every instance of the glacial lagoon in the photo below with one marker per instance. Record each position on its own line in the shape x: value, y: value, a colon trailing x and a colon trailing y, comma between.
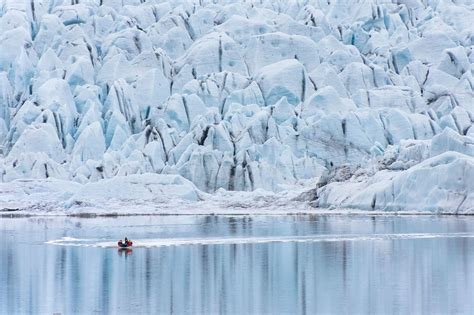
x: 305, y: 264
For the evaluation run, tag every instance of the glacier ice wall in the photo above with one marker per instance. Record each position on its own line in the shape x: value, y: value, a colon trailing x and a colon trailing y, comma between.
x: 237, y: 95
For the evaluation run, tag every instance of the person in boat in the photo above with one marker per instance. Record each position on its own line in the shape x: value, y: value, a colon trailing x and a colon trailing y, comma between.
x: 126, y: 243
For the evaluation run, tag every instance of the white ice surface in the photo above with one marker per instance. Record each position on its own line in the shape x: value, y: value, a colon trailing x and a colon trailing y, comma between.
x: 270, y: 98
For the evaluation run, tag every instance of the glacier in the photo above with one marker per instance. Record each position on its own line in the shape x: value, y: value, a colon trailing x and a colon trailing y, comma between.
x: 301, y: 104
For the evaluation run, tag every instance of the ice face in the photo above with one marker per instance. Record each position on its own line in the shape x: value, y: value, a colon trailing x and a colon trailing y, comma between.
x: 438, y: 185
x: 236, y: 95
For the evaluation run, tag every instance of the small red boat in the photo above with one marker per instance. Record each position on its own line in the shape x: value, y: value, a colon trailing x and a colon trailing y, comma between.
x: 125, y: 244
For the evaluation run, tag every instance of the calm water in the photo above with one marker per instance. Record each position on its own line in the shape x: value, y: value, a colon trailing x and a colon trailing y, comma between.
x: 239, y: 265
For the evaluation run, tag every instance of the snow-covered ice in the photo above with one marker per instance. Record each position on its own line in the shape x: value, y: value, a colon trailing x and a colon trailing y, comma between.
x: 200, y: 105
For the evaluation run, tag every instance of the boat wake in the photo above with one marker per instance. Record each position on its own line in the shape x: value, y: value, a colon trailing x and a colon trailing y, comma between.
x: 162, y: 242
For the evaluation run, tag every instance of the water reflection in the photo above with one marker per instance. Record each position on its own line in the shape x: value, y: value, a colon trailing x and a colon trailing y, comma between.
x: 124, y: 252
x: 357, y: 277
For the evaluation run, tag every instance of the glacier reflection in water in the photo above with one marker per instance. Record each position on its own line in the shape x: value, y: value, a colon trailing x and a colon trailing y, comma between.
x: 245, y: 265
